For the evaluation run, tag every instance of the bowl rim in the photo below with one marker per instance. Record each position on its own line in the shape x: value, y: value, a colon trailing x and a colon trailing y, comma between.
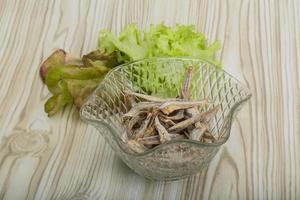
x: 192, y: 142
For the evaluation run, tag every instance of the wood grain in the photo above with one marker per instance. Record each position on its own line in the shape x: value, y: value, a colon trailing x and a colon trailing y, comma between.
x: 64, y: 158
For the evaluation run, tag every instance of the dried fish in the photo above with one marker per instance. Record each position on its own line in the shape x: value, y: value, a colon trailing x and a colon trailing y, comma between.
x: 167, y: 122
x: 163, y: 133
x: 130, y: 99
x: 150, y: 131
x: 184, y: 124
x: 185, y: 91
x: 171, y: 106
x: 198, y: 131
x: 148, y: 97
x: 178, y: 116
x: 203, y: 117
x: 140, y: 107
x: 155, y: 113
x: 135, y: 119
x: 141, y: 131
x: 208, y: 135
x: 208, y: 115
x: 190, y: 112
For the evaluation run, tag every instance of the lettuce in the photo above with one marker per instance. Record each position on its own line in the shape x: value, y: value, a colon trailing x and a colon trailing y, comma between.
x: 159, y: 41
x: 72, y: 83
x: 72, y: 80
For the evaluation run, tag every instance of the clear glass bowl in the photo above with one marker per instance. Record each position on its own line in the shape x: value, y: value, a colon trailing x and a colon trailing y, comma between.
x: 175, y: 159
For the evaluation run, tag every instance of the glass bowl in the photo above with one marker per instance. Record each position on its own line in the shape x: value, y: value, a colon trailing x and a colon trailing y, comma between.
x: 163, y: 77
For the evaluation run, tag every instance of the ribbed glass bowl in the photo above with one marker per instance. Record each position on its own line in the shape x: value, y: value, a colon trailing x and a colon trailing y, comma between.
x: 163, y: 77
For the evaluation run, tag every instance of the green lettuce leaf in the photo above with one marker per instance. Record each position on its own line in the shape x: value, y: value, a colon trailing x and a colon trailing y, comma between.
x: 72, y: 83
x: 159, y: 41
x: 58, y: 100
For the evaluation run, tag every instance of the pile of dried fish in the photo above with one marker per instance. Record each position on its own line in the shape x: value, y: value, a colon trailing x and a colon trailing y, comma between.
x: 152, y: 121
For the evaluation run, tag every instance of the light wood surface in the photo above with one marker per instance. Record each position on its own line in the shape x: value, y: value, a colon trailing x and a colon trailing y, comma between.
x: 64, y: 158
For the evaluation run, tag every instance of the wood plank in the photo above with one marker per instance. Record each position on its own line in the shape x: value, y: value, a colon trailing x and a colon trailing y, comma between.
x: 64, y: 158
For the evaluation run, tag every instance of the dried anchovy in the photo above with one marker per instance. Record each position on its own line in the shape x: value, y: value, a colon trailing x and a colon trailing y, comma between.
x: 171, y: 106
x: 207, y: 116
x: 178, y: 116
x: 167, y: 122
x: 140, y: 107
x: 163, y: 133
x: 185, y: 92
x: 203, y: 117
x: 135, y: 119
x: 148, y: 97
x: 184, y: 124
x: 131, y: 99
x: 198, y: 131
x: 196, y: 134
x: 150, y: 131
x: 190, y: 112
x: 155, y: 113
x: 141, y: 131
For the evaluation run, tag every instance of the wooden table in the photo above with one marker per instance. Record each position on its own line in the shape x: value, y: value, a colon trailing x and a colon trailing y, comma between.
x: 64, y: 158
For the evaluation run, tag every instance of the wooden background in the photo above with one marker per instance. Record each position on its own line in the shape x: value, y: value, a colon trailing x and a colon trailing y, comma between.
x: 64, y: 158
